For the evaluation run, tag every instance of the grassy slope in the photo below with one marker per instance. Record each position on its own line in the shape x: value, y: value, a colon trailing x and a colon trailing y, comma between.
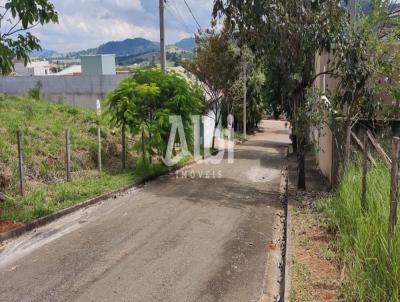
x: 43, y: 126
x: 373, y: 272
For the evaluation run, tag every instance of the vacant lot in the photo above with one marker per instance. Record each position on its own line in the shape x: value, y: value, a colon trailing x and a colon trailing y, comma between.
x: 43, y: 125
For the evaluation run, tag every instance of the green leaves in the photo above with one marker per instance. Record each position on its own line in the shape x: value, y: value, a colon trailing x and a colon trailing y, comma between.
x: 144, y: 103
x: 286, y: 35
x: 15, y: 41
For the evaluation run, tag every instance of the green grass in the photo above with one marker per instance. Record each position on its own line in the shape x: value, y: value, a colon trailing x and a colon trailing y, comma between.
x: 51, y: 198
x: 373, y: 269
x: 43, y: 125
x: 301, y: 284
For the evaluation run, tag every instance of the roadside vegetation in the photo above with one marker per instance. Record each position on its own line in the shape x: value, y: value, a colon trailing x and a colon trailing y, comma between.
x: 371, y: 263
x: 140, y: 106
x: 144, y: 104
x: 43, y: 125
x: 314, y: 269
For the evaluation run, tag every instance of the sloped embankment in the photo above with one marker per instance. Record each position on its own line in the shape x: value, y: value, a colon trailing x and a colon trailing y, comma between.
x: 43, y: 125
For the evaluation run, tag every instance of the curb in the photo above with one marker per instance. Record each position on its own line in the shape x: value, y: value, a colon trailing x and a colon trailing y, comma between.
x: 285, y: 268
x: 95, y: 200
x: 288, y: 249
x: 274, y: 278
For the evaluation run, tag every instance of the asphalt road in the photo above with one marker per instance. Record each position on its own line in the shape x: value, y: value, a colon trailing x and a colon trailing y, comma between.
x: 200, y: 237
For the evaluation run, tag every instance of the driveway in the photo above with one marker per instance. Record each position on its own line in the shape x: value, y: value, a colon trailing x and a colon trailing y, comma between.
x: 199, y: 235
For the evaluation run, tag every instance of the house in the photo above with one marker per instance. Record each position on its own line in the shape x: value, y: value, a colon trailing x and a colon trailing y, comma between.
x: 33, y: 68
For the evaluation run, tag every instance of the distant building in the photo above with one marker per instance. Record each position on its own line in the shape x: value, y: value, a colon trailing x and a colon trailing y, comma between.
x: 71, y: 70
x: 98, y: 65
x: 34, y: 68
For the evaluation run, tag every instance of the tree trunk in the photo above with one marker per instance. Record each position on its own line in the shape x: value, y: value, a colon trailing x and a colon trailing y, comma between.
x: 143, y: 148
x: 213, y: 140
x: 151, y: 151
x: 293, y: 137
x: 123, y: 148
x: 301, y: 171
x: 348, y: 143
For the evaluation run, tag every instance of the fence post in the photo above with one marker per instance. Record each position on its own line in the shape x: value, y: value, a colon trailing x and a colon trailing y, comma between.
x: 364, y: 173
x: 21, y: 163
x: 394, y: 186
x: 68, y: 154
x: 99, y: 147
x: 98, y: 112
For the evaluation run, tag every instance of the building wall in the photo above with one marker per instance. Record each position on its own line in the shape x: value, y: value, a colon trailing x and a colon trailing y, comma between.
x: 32, y: 69
x: 323, y: 138
x: 98, y: 65
x: 74, y: 90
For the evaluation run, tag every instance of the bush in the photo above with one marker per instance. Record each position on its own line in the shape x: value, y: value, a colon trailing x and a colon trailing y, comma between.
x: 34, y: 92
x: 144, y: 102
x: 363, y: 236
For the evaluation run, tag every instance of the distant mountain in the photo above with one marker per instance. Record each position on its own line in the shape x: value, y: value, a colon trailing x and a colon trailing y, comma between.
x: 128, y: 50
x: 187, y: 44
x: 128, y: 47
x: 44, y: 53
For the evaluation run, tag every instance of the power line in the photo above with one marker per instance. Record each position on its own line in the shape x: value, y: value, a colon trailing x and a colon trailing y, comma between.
x: 174, y: 12
x: 191, y: 12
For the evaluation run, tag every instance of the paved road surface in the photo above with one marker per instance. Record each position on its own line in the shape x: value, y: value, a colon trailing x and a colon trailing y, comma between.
x: 175, y: 239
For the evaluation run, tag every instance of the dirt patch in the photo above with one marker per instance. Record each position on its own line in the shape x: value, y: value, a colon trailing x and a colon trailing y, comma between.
x: 6, y: 226
x: 315, y: 274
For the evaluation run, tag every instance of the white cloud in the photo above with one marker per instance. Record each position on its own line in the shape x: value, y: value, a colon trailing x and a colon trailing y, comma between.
x: 89, y: 23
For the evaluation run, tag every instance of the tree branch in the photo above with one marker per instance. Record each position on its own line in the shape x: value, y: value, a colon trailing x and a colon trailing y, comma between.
x: 330, y: 72
x: 11, y: 29
x: 22, y: 29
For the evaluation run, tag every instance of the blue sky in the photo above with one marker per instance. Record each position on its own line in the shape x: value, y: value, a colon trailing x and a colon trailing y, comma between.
x: 89, y: 23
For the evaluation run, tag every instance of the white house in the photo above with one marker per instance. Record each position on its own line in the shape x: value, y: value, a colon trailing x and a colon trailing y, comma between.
x: 34, y: 68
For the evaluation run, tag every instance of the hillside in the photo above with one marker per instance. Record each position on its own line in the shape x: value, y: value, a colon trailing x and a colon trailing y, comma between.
x: 128, y: 47
x: 134, y: 47
x: 187, y: 44
x: 174, y: 57
x: 43, y: 125
x: 44, y: 53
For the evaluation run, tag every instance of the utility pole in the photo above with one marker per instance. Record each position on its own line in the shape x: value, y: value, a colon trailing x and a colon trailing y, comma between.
x: 163, y: 58
x: 244, y: 99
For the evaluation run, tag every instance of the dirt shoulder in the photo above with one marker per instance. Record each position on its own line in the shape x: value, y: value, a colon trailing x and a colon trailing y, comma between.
x: 314, y: 275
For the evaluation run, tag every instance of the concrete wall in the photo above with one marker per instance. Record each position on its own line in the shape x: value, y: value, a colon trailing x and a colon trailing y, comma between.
x: 74, y: 90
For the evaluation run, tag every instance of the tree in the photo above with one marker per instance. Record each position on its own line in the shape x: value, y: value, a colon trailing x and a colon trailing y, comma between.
x: 16, y: 19
x: 144, y: 102
x: 256, y: 97
x: 216, y: 65
x: 121, y: 109
x: 288, y: 35
x: 367, y: 65
x: 353, y: 96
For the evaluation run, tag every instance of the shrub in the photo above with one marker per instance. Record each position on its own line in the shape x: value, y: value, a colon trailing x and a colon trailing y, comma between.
x: 363, y: 236
x: 34, y: 92
x: 144, y: 102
